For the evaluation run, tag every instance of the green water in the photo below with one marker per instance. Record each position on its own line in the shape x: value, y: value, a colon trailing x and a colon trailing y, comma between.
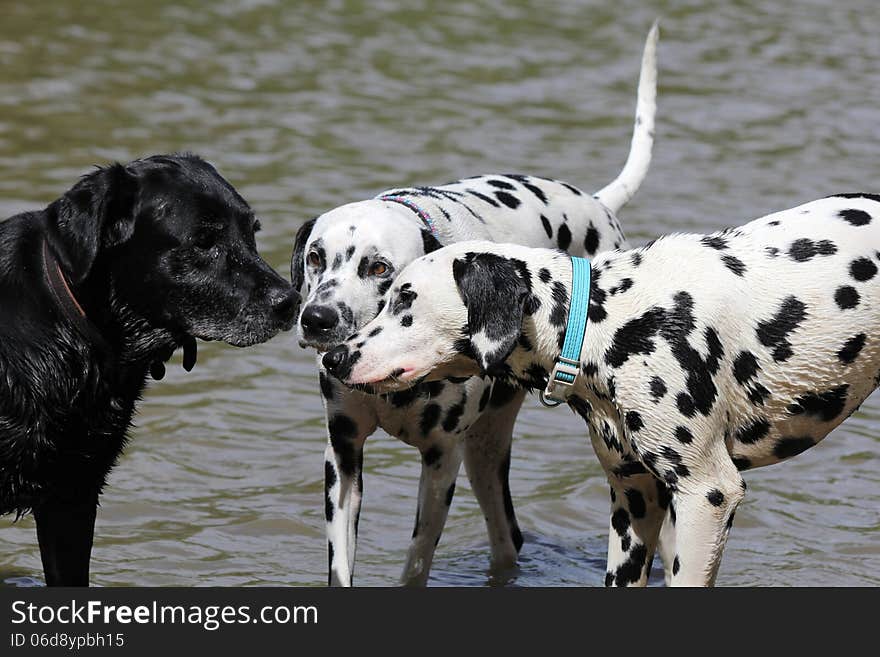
x: 308, y: 105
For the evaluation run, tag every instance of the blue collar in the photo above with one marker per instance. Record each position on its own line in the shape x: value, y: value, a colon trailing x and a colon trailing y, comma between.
x: 568, y: 365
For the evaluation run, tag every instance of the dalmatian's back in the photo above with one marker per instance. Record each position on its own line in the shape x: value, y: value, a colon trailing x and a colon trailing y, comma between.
x: 793, y: 307
x: 527, y: 210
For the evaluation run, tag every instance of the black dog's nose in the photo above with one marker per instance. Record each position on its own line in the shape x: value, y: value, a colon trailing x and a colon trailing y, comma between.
x: 285, y: 303
x: 335, y: 360
x: 317, y: 319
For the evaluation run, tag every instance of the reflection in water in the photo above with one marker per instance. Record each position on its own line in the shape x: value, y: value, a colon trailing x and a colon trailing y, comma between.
x: 305, y: 108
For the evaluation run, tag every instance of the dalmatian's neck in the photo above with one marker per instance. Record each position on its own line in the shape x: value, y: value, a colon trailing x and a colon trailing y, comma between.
x: 450, y: 222
x: 540, y: 344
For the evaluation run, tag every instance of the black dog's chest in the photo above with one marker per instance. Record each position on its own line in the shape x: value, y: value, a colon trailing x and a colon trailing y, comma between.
x: 58, y: 445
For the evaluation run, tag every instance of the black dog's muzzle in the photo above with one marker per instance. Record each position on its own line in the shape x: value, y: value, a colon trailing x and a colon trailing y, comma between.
x: 284, y: 304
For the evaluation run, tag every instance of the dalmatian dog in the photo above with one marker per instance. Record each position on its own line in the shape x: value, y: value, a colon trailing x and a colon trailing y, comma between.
x: 703, y: 356
x: 348, y: 259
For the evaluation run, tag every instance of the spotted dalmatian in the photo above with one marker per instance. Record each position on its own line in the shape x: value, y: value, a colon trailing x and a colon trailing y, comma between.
x: 704, y: 356
x: 349, y: 257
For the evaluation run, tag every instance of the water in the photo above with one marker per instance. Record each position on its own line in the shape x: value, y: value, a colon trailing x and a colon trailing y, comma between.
x: 308, y: 105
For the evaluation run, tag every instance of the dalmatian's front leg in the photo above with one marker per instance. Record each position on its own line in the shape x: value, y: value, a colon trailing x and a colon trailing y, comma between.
x: 487, y: 448
x: 349, y: 423
x: 639, y: 503
x: 704, y: 505
x: 441, y: 461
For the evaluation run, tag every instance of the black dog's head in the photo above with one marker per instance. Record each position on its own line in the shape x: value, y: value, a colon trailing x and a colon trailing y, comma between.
x: 172, y: 242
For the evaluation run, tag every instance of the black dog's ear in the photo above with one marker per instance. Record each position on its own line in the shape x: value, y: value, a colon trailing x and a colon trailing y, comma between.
x: 429, y: 242
x: 297, y: 266
x: 96, y: 213
x: 495, y: 295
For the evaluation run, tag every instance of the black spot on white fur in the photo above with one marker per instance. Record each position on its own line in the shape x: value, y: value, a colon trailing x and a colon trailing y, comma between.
x: 700, y: 370
x: 862, y: 269
x: 509, y: 200
x: 591, y: 241
x: 635, y: 502
x: 773, y: 333
x: 745, y: 370
x: 825, y: 406
x: 851, y: 348
x: 634, y: 421
x: 637, y: 336
x: 329, y: 482
x: 803, y: 250
x: 753, y: 431
x: 846, y: 297
x: 563, y: 237
x: 714, y: 242
x: 792, y: 446
x: 342, y: 431
x: 658, y: 388
x: 683, y: 434
x: 734, y: 264
x: 855, y: 217
x: 547, y: 227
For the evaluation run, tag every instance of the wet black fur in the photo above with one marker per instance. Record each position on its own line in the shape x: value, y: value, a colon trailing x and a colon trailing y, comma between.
x: 157, y: 252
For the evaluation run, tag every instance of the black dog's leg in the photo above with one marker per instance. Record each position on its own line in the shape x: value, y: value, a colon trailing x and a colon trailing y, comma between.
x: 65, y: 531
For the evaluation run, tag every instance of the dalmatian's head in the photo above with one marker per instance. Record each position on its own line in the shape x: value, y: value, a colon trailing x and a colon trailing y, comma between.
x: 347, y: 259
x: 463, y: 310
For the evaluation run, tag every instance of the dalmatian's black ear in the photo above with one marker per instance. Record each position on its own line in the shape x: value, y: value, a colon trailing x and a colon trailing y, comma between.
x: 495, y: 296
x: 297, y: 261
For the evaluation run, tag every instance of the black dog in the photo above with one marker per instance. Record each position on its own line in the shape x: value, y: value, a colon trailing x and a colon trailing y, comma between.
x: 96, y: 291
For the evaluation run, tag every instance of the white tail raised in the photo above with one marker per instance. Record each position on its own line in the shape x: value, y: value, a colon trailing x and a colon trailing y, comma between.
x: 616, y: 194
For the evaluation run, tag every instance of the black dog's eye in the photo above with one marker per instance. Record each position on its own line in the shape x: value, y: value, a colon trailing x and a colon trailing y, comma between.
x: 378, y: 268
x: 207, y: 236
x: 314, y: 259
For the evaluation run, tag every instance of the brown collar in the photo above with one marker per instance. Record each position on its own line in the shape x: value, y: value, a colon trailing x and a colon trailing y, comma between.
x: 66, y: 301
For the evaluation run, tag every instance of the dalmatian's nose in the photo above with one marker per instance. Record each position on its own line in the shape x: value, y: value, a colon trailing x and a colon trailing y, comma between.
x: 336, y: 361
x: 317, y: 320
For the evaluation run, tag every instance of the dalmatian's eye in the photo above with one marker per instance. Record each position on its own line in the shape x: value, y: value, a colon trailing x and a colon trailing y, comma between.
x: 314, y: 259
x: 378, y: 268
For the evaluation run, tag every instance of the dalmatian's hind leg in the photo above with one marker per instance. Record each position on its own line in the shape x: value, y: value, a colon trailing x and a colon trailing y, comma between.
x: 639, y: 503
x: 441, y: 461
x: 487, y: 449
x: 704, y: 506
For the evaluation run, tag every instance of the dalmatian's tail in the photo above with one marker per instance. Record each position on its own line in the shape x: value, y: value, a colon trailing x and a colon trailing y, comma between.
x: 615, y: 195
